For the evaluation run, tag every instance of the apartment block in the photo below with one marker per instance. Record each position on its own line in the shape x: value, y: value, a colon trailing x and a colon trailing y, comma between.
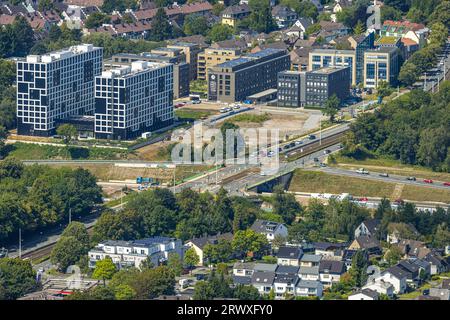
x: 291, y: 89
x: 133, y: 253
x: 321, y: 58
x: 180, y: 68
x: 237, y: 79
x: 212, y: 57
x: 56, y: 86
x: 381, y: 64
x: 130, y: 100
x: 191, y: 51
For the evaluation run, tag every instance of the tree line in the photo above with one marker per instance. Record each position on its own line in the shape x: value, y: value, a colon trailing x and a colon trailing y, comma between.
x: 35, y: 197
x: 413, y: 129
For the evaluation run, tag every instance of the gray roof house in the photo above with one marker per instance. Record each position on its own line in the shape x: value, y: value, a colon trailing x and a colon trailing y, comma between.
x: 330, y: 271
x: 308, y: 288
x: 284, y: 16
x: 368, y: 227
x: 269, y: 228
x: 263, y: 281
x: 364, y: 294
x: 309, y: 273
x: 266, y: 267
x: 289, y: 256
x: 287, y: 270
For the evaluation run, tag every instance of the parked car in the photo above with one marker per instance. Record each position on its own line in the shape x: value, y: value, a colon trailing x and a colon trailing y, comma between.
x: 196, y: 101
x: 363, y: 199
x: 323, y: 165
x: 327, y: 151
x: 384, y: 175
x: 427, y: 180
x: 447, y: 184
x: 399, y: 201
x: 316, y: 159
x: 362, y: 171
x: 298, y: 142
x: 411, y: 178
x: 312, y: 137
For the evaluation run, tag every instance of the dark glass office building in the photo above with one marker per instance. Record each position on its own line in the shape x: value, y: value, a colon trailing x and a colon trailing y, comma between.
x: 363, y: 44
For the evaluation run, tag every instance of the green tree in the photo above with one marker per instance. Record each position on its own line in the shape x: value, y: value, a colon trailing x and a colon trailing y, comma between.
x: 285, y: 205
x: 243, y: 292
x: 441, y: 236
x: 359, y: 28
x: 78, y: 231
x: 68, y: 131
x: 393, y: 255
x: 11, y: 168
x: 195, y: 24
x: 261, y: 19
x: 249, y: 242
x: 151, y: 283
x: 331, y: 107
x: 96, y: 19
x: 408, y: 74
x: 441, y: 13
x: 67, y: 252
x: 124, y: 292
x: 17, y: 278
x: 161, y: 27
x: 191, y: 258
x: 220, y: 32
x: 358, y: 271
x: 104, y: 270
x: 390, y: 13
x: 433, y: 146
x: 175, y: 263
x: 383, y: 89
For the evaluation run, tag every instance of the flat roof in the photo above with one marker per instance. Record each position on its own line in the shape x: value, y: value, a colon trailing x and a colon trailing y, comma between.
x: 382, y: 50
x: 263, y: 94
x: 333, y: 51
x: 134, y: 68
x: 327, y: 70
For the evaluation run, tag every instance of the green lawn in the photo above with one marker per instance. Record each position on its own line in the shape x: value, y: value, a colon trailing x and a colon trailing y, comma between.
x: 253, y: 118
x: 190, y: 114
x: 27, y: 151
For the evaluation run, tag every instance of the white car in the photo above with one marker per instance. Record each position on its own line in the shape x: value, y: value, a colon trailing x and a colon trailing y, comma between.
x: 362, y: 171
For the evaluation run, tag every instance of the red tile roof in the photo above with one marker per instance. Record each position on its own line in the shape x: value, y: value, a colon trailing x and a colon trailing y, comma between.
x: 405, y: 23
x: 185, y: 9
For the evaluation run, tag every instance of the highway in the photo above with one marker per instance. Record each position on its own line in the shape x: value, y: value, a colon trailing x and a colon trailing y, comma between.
x: 392, y: 178
x: 432, y: 78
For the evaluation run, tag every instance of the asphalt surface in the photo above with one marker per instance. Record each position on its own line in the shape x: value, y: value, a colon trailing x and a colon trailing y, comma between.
x: 431, y: 79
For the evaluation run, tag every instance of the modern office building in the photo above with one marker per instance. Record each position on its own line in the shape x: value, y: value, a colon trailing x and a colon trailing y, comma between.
x: 291, y: 89
x: 237, y: 79
x: 180, y: 68
x: 191, y: 51
x: 323, y: 83
x: 312, y: 88
x: 381, y: 64
x: 57, y: 85
x: 321, y: 58
x: 212, y: 57
x: 142, y: 100
x: 362, y: 44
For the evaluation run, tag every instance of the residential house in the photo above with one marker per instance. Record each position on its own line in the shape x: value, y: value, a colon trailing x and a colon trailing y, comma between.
x: 371, y: 245
x: 284, y: 285
x: 265, y: 267
x: 289, y: 256
x: 85, y: 3
x: 331, y: 30
x: 133, y: 253
x: 364, y: 294
x: 300, y: 58
x: 412, y: 272
x: 412, y: 248
x: 263, y: 281
x: 308, y: 288
x: 395, y: 276
x: 341, y: 4
x: 270, y: 229
x: 442, y: 291
x: 328, y: 250
x: 310, y: 260
x: 399, y: 28
x: 243, y: 269
x: 369, y: 227
x: 298, y: 29
x: 409, y: 47
x: 309, y: 273
x: 199, y: 244
x: 331, y: 271
x: 380, y: 286
x: 232, y: 14
x: 285, y: 269
x: 437, y: 263
x: 284, y: 16
x: 236, y: 44
x: 347, y: 257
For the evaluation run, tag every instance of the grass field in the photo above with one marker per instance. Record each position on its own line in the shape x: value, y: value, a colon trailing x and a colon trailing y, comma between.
x: 253, y: 118
x: 190, y: 114
x: 106, y: 172
x: 27, y: 151
x: 319, y: 182
x: 391, y: 166
x: 311, y: 181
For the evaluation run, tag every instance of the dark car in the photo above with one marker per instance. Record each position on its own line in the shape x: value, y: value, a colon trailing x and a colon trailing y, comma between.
x: 316, y: 159
x: 411, y: 178
x: 312, y: 137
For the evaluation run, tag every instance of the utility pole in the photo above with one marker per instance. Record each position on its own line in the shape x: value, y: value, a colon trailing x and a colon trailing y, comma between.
x: 20, y: 243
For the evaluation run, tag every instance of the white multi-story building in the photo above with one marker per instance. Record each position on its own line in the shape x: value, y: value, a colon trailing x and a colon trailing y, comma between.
x: 54, y: 86
x: 133, y: 253
x: 143, y: 100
